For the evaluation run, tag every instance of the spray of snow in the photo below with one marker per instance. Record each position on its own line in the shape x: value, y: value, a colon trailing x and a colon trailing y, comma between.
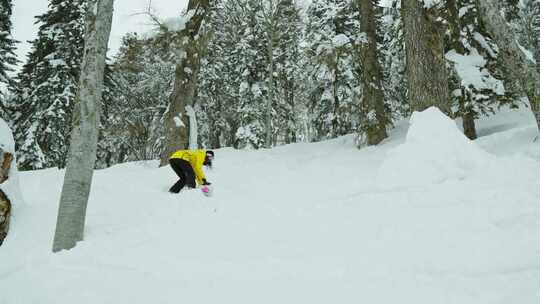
x: 178, y: 23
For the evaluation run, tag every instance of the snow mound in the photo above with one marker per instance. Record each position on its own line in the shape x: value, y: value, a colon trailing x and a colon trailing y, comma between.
x: 435, y: 150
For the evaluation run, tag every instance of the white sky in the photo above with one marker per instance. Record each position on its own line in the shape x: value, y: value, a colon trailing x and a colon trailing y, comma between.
x: 124, y: 20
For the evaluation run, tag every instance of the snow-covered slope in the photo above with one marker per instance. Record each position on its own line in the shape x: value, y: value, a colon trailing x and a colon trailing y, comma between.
x: 305, y: 223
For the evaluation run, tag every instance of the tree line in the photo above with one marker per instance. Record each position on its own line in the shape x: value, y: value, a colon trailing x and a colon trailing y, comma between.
x: 264, y: 73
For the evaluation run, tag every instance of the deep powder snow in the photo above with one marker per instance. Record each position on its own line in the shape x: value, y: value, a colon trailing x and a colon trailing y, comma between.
x: 425, y: 218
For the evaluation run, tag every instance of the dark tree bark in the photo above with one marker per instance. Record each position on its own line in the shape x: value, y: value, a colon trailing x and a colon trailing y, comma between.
x: 185, y: 84
x: 5, y: 203
x: 5, y: 215
x: 469, y: 127
x: 426, y: 65
x: 372, y: 76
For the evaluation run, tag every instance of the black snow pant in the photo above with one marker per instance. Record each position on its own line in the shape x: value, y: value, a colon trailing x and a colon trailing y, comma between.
x: 185, y: 172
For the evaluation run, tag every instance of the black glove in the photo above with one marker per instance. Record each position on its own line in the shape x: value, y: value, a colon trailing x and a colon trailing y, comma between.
x: 205, y: 182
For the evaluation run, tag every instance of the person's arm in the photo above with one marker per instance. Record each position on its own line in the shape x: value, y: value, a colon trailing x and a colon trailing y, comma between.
x: 199, y: 173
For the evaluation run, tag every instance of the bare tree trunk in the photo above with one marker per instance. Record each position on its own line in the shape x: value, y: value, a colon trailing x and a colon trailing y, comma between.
x: 193, y: 130
x: 469, y: 127
x: 372, y: 76
x: 426, y: 65
x: 5, y: 203
x: 270, y: 101
x: 86, y: 115
x: 519, y: 66
x: 185, y: 84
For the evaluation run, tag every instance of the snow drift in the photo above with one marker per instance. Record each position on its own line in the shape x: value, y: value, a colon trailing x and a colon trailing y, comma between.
x: 435, y: 150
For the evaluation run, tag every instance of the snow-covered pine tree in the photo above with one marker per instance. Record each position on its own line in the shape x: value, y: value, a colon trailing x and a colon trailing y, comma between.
x: 216, y: 96
x: 252, y: 59
x: 374, y: 114
x: 279, y: 23
x: 331, y: 32
x: 394, y: 63
x: 474, y: 56
x: 516, y: 60
x: 48, y: 84
x: 529, y: 28
x: 287, y: 69
x: 235, y: 77
x: 145, y: 77
x: 8, y: 58
x: 133, y: 127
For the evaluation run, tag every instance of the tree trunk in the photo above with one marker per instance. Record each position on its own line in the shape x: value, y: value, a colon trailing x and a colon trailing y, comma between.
x: 335, y: 118
x: 469, y: 127
x: 426, y: 65
x: 519, y: 66
x: 193, y: 130
x: 270, y: 101
x: 185, y: 83
x: 372, y: 77
x: 5, y: 215
x: 5, y: 203
x: 86, y: 117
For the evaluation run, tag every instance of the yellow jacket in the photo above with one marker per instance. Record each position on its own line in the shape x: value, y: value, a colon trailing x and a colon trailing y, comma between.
x: 196, y: 159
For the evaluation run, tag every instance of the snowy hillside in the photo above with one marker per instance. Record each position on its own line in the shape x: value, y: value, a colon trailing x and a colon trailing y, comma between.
x: 427, y: 217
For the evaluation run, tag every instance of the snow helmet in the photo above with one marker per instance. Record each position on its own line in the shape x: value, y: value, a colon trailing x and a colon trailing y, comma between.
x: 209, y: 158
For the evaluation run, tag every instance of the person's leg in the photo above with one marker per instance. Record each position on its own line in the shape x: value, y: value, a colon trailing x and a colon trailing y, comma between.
x: 189, y: 174
x: 176, y: 165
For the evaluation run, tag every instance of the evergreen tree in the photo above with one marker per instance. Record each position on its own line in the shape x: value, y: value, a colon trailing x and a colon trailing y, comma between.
x: 7, y: 47
x: 287, y: 69
x: 252, y: 109
x: 48, y: 84
x: 216, y: 96
x: 477, y: 88
x: 393, y: 50
x: 529, y: 28
x: 143, y: 77
x: 516, y: 62
x: 331, y: 33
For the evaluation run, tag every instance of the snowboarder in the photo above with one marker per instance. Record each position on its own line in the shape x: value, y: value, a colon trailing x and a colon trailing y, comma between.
x: 188, y: 166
